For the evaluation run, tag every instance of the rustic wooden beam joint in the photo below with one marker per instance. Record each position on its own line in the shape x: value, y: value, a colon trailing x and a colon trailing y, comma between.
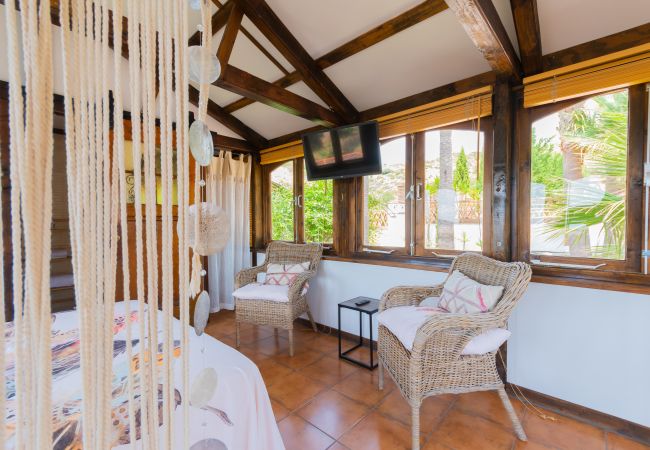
x: 482, y: 24
x: 529, y: 38
x: 229, y: 35
x: 229, y: 121
x: 219, y: 20
x: 263, y: 17
x: 248, y: 85
x: 407, y: 19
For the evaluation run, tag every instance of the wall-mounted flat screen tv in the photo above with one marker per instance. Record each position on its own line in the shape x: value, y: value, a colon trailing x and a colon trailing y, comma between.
x: 343, y: 152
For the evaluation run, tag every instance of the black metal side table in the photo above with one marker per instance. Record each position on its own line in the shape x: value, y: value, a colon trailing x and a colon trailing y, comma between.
x: 369, y: 308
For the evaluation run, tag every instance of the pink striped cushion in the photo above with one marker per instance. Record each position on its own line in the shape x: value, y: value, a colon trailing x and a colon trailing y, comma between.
x: 461, y: 294
x: 284, y: 274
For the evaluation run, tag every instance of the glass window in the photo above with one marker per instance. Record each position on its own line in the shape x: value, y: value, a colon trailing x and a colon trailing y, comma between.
x: 453, y: 190
x: 282, y: 203
x: 318, y: 207
x: 384, y: 207
x: 578, y: 180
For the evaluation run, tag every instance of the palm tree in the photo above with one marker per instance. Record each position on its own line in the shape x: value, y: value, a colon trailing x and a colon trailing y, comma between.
x: 446, y: 203
x: 600, y: 135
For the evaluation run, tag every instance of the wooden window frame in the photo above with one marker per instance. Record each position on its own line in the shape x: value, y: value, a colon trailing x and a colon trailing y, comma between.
x: 299, y: 180
x: 614, y: 270
x: 420, y: 177
x: 415, y: 173
x: 359, y: 216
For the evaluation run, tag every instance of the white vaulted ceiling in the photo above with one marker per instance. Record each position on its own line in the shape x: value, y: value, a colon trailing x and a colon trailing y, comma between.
x: 321, y: 26
x: 432, y: 53
x: 565, y: 23
x: 397, y: 67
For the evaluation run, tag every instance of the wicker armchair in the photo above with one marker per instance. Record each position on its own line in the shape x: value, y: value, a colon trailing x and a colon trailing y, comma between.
x: 273, y: 313
x: 435, y: 364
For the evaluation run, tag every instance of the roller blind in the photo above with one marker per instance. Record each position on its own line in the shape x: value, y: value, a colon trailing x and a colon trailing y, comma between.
x: 456, y: 109
x: 614, y: 71
x: 285, y: 152
x: 460, y: 108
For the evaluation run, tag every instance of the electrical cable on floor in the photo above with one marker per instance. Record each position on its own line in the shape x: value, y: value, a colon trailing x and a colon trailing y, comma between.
x: 523, y: 399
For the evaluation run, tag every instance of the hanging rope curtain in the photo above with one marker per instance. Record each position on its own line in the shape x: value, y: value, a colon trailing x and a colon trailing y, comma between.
x: 97, y: 197
x: 616, y: 70
x: 460, y: 108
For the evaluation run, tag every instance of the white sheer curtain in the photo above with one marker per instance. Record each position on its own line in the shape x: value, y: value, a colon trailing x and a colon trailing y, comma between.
x: 228, y: 185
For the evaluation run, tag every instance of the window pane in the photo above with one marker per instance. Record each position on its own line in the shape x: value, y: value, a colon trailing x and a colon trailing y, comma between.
x: 384, y: 207
x: 578, y: 179
x: 453, y: 191
x: 282, y: 203
x: 319, y: 211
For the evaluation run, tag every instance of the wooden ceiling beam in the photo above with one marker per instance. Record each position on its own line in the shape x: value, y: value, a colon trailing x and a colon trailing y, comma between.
x: 229, y: 121
x: 431, y: 95
x: 219, y: 20
x: 243, y: 83
x: 222, y: 142
x: 413, y: 16
x: 381, y: 32
x: 214, y: 110
x: 259, y: 12
x: 529, y: 38
x: 229, y: 35
x: 598, y: 47
x: 412, y: 101
x: 482, y: 24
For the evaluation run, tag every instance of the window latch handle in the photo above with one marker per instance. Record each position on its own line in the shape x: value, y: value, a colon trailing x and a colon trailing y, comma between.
x: 298, y: 201
x: 409, y: 194
x: 418, y: 191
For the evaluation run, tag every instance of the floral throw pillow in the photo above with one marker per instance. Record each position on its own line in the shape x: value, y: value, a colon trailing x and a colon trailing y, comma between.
x: 461, y: 294
x: 284, y: 274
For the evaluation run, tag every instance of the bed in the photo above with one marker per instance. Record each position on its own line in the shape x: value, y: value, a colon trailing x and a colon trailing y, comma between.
x: 238, y: 417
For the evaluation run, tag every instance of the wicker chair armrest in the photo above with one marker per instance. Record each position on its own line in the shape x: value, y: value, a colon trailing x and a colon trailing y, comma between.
x: 451, y: 332
x: 296, y: 287
x: 407, y: 296
x: 248, y: 276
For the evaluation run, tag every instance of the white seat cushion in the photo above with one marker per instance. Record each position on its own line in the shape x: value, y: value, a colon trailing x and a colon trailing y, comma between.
x: 259, y: 291
x: 404, y: 322
x: 430, y: 301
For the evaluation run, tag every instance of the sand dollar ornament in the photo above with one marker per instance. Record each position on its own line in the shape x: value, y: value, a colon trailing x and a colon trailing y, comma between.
x: 209, y: 444
x: 214, y: 229
x: 201, y: 144
x: 204, y: 68
x: 203, y: 387
x: 201, y: 312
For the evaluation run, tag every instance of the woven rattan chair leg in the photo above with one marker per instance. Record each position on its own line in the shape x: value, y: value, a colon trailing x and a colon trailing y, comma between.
x: 237, y: 333
x: 521, y: 434
x: 311, y: 319
x: 381, y: 375
x: 415, y: 427
x: 290, y: 342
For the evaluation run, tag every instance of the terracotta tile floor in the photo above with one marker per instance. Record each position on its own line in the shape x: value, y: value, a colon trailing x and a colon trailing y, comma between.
x: 322, y: 402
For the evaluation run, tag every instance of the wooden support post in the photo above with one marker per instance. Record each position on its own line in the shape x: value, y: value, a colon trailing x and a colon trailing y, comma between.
x: 502, y: 172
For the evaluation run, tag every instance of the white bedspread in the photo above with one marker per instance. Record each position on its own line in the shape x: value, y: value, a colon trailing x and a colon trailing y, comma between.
x: 238, y: 417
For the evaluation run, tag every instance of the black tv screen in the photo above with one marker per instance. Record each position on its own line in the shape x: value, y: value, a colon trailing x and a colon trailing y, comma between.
x: 343, y: 152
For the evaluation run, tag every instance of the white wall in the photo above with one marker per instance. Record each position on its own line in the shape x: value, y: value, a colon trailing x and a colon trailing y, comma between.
x: 585, y: 346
